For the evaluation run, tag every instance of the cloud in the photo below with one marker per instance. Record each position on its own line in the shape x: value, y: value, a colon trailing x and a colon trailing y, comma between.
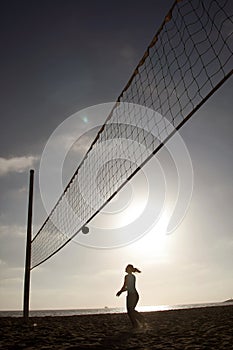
x: 16, y: 164
x: 12, y: 230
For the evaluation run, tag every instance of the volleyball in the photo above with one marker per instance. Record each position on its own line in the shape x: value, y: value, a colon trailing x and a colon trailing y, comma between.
x: 85, y: 229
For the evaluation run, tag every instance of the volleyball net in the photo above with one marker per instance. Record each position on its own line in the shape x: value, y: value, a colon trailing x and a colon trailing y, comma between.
x: 188, y: 59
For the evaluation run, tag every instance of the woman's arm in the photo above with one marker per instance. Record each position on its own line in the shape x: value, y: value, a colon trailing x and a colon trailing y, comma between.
x: 124, y: 287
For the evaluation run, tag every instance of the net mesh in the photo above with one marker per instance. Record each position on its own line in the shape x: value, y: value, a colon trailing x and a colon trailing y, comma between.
x: 188, y: 59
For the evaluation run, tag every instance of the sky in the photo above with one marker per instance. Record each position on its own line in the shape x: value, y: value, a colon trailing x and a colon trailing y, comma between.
x: 58, y: 58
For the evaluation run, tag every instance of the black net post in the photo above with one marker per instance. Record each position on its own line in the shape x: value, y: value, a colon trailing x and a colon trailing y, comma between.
x: 28, y: 249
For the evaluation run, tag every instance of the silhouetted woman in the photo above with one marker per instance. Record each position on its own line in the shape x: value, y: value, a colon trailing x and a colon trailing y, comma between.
x: 132, y: 296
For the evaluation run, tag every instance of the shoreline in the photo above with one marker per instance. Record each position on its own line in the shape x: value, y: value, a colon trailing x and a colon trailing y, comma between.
x: 184, y: 329
x: 106, y: 310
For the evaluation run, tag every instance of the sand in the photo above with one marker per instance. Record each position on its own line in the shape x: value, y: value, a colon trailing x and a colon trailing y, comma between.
x: 200, y: 328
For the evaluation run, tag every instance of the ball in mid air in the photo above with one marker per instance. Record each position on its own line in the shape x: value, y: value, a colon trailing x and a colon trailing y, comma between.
x: 85, y: 229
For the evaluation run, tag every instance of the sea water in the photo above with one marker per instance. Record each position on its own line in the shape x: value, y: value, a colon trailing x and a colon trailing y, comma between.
x: 106, y: 310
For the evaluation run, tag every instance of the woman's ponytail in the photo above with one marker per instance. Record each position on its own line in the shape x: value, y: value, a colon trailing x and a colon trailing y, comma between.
x: 136, y: 270
x: 131, y: 268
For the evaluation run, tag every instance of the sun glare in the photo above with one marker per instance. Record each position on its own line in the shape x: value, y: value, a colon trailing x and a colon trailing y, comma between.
x: 153, y: 243
x: 126, y: 207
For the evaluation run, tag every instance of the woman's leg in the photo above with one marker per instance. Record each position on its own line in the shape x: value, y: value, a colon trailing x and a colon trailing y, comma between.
x: 132, y: 300
x: 139, y: 317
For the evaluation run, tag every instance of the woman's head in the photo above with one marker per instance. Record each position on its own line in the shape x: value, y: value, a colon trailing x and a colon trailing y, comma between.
x: 129, y: 269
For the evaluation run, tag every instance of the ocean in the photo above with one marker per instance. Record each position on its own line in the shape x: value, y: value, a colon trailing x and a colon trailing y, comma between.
x: 106, y: 310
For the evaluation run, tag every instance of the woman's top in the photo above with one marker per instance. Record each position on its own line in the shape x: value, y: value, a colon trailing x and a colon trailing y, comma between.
x: 130, y: 283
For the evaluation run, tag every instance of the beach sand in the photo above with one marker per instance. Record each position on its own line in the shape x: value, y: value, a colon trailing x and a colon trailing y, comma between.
x: 189, y: 329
